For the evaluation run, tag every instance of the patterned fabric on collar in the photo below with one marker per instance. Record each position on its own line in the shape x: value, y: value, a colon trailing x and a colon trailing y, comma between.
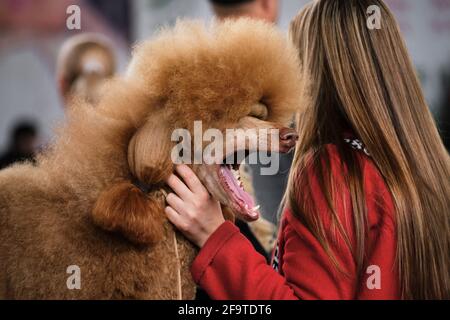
x: 357, y: 145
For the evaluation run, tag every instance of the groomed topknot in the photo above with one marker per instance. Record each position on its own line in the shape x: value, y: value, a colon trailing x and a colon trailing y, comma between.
x: 250, y: 60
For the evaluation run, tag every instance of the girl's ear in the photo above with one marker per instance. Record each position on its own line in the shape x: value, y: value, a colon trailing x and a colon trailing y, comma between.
x: 125, y: 207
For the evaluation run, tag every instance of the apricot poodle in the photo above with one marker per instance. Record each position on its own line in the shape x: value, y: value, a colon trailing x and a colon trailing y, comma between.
x: 95, y: 199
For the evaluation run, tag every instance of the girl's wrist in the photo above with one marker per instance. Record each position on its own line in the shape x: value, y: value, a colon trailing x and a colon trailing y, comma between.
x: 207, y: 234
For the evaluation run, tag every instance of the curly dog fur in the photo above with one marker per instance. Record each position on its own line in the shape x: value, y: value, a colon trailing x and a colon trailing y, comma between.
x: 77, y: 206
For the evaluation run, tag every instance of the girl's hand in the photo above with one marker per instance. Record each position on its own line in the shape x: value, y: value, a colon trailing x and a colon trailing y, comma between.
x: 192, y: 209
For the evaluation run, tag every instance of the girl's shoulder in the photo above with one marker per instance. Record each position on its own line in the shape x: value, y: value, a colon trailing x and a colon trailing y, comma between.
x: 309, y: 185
x: 339, y: 168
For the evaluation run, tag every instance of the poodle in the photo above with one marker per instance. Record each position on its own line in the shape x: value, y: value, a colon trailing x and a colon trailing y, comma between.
x: 91, y: 211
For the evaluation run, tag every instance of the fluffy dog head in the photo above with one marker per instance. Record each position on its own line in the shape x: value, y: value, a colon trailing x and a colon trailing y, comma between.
x: 239, y: 74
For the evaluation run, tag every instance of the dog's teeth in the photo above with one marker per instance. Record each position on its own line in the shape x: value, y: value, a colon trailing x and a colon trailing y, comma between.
x: 236, y: 175
x: 256, y: 208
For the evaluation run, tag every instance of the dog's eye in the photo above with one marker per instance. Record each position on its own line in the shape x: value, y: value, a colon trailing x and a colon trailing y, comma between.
x: 260, y: 111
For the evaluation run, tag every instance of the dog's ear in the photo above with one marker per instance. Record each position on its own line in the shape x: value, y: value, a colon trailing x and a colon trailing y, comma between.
x: 149, y: 152
x: 136, y: 209
x: 126, y: 209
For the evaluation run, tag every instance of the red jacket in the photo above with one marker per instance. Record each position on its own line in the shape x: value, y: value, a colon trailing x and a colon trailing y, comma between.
x: 228, y: 267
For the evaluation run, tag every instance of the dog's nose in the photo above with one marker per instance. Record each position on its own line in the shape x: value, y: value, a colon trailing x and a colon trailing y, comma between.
x: 288, y: 138
x: 288, y: 134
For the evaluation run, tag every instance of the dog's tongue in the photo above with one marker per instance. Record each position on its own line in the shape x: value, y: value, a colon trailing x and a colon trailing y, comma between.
x: 245, y: 201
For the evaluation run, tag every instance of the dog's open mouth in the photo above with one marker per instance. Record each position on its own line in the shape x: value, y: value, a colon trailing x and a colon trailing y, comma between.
x: 231, y: 182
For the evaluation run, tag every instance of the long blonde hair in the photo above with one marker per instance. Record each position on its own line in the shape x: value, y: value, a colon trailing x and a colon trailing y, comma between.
x: 363, y: 80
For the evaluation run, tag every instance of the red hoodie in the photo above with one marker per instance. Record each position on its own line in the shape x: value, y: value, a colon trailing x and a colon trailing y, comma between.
x: 227, y: 267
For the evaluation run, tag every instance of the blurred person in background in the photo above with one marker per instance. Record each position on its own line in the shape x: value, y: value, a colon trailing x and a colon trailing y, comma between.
x: 258, y: 9
x: 22, y: 146
x: 84, y: 63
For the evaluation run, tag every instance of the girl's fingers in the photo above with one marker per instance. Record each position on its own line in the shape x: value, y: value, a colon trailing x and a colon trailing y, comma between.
x: 179, y: 187
x: 176, y: 203
x: 174, y: 217
x: 190, y: 179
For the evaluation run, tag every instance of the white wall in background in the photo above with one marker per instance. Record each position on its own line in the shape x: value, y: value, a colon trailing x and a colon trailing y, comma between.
x: 27, y: 90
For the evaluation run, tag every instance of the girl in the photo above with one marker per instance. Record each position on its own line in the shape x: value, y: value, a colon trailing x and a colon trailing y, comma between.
x: 366, y: 214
